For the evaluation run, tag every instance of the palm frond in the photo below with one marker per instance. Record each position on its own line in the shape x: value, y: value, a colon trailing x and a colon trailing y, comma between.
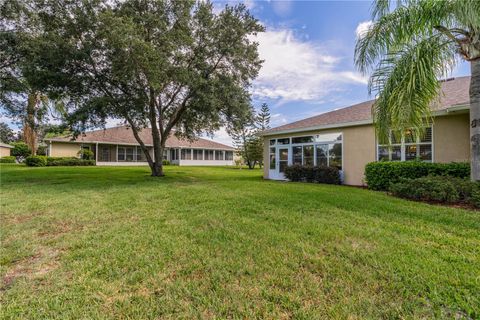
x: 406, y: 81
x: 403, y: 25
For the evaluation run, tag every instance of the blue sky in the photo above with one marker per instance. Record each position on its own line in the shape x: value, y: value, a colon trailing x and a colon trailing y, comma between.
x: 308, y: 51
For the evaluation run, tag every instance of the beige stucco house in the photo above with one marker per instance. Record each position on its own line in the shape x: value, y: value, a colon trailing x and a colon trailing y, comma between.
x: 118, y: 146
x: 5, y: 149
x: 346, y: 139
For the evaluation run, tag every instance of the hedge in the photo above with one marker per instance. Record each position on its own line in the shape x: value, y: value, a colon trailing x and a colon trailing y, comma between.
x: 36, y: 161
x: 7, y: 159
x: 319, y: 174
x: 438, y: 189
x: 379, y: 175
x: 71, y: 162
x: 52, y: 159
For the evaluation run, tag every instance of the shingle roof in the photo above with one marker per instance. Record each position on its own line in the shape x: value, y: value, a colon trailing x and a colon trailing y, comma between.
x: 455, y: 92
x: 124, y: 135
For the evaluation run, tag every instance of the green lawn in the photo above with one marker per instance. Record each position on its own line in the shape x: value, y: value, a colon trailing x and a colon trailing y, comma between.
x: 202, y: 242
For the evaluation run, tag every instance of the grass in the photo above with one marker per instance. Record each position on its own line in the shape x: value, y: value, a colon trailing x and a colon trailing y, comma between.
x: 114, y: 243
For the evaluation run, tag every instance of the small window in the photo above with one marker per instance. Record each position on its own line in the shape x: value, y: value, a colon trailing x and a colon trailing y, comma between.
x: 308, y: 139
x: 129, y: 153
x: 197, y: 154
x: 272, y: 158
x: 141, y: 154
x: 297, y: 155
x: 219, y: 155
x: 121, y: 154
x: 335, y: 155
x: 186, y: 154
x: 272, y: 142
x: 308, y: 155
x: 322, y: 154
x: 209, y: 154
x: 283, y: 141
x: 229, y: 155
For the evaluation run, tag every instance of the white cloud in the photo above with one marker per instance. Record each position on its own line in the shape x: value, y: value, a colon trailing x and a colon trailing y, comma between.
x: 221, y: 136
x: 298, y: 70
x: 282, y: 8
x: 363, y: 27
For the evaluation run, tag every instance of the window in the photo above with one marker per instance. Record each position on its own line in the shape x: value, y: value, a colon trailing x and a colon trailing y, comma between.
x: 335, y: 155
x: 272, y: 142
x: 197, y: 154
x: 322, y: 154
x: 297, y: 155
x: 407, y: 147
x: 186, y: 154
x: 104, y: 154
x: 209, y: 154
x: 129, y: 153
x: 219, y: 155
x: 165, y: 154
x: 283, y: 141
x: 121, y: 154
x: 308, y: 155
x: 173, y: 154
x: 283, y: 159
x: 140, y: 155
x: 272, y: 159
x: 308, y: 139
x: 328, y: 137
x: 229, y: 155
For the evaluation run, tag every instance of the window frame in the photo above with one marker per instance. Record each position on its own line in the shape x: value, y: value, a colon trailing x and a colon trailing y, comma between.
x: 316, y: 142
x: 403, y: 147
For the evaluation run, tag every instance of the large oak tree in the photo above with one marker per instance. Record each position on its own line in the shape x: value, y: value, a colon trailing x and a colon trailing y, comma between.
x: 178, y: 67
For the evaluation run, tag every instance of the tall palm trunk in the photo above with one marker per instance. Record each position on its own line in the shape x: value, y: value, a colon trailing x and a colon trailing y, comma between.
x: 29, y: 132
x: 475, y: 120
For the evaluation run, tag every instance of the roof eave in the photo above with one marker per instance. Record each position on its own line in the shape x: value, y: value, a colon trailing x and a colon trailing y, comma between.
x: 447, y: 111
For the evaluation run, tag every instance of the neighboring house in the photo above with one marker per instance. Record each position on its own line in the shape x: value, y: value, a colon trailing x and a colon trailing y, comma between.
x: 118, y: 146
x: 346, y: 138
x: 5, y: 149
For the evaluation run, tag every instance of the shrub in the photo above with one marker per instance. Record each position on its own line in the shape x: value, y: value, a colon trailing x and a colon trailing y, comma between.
x: 165, y: 162
x: 86, y: 154
x: 71, y: 162
x: 7, y: 159
x: 320, y: 174
x: 50, y: 160
x: 36, y: 161
x: 20, y: 149
x: 379, y: 175
x: 42, y: 151
x: 429, y: 188
x: 438, y: 189
x: 474, y: 198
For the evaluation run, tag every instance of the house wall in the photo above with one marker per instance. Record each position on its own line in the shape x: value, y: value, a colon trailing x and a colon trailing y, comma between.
x: 4, y: 152
x: 358, y: 150
x: 451, y: 142
x: 62, y: 149
x: 451, y: 138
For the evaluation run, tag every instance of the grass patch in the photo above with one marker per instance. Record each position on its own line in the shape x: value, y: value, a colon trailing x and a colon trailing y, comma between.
x: 113, y: 242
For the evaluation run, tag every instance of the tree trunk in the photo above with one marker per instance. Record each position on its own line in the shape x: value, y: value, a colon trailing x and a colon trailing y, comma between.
x: 475, y: 120
x: 156, y: 167
x: 29, y: 134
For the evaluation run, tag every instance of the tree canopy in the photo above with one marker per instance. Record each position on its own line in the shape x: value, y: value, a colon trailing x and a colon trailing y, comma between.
x: 175, y: 66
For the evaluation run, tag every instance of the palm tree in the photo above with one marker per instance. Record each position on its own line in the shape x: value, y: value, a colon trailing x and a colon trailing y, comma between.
x: 408, y: 47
